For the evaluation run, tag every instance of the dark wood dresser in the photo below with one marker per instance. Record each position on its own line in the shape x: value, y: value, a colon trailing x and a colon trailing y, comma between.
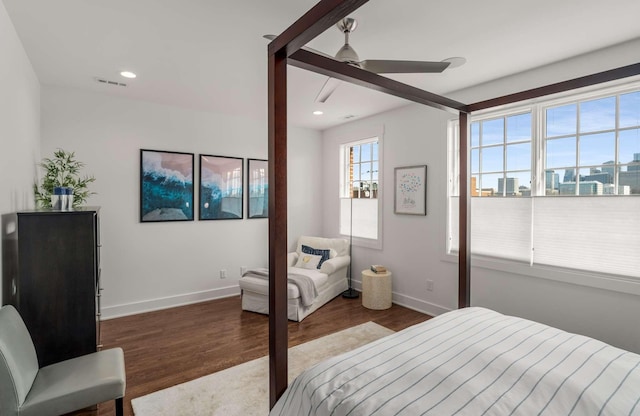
x: 51, y: 274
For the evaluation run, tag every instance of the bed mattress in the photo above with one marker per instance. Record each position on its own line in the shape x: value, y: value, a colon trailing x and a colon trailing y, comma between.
x: 471, y: 361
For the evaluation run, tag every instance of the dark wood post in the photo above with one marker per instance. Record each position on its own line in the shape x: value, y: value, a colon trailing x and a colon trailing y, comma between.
x: 278, y: 337
x: 464, y: 256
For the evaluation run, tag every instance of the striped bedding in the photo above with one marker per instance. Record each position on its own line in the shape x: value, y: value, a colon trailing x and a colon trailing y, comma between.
x: 471, y: 361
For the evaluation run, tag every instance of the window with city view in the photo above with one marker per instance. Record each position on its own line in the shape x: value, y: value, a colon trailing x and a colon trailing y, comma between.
x: 592, y: 147
x: 360, y: 186
x: 501, y: 156
x: 588, y: 147
x: 555, y: 183
x: 363, y: 170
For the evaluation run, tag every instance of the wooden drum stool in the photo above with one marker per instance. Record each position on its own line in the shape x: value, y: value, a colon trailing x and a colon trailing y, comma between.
x: 376, y: 290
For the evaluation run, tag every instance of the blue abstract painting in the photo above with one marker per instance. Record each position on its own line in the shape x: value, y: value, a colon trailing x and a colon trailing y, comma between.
x: 166, y: 186
x: 221, y: 190
x: 258, y: 201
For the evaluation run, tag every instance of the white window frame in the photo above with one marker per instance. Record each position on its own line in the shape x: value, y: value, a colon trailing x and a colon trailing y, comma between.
x: 343, y: 194
x: 603, y: 281
x: 504, y: 115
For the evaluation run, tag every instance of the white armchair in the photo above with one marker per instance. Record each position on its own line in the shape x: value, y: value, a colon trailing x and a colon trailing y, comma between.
x: 339, y: 258
x: 330, y: 279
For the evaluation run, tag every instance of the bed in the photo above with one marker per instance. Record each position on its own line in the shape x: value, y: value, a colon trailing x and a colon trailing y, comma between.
x: 471, y: 361
x: 329, y: 280
x: 288, y: 49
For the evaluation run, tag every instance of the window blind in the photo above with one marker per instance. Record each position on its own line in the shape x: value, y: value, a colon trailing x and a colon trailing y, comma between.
x: 598, y: 234
x: 365, y: 217
x: 500, y: 227
x: 593, y: 234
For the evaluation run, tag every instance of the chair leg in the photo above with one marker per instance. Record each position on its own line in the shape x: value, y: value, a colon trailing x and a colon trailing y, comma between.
x: 119, y: 407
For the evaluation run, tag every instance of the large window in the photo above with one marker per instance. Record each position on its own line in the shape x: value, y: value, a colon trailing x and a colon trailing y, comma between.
x: 592, y: 147
x: 501, y: 156
x: 556, y: 183
x: 359, y: 189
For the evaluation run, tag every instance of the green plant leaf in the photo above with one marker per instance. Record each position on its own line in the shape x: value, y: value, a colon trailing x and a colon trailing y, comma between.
x: 62, y: 170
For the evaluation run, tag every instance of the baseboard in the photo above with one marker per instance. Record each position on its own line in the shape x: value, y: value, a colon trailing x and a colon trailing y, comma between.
x: 419, y: 305
x: 110, y: 312
x: 411, y: 303
x: 151, y: 305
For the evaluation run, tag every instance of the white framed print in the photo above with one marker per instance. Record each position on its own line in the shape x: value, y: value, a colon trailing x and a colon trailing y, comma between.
x: 410, y: 190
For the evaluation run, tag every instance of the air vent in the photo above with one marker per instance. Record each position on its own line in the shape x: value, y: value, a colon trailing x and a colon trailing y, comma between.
x: 107, y: 82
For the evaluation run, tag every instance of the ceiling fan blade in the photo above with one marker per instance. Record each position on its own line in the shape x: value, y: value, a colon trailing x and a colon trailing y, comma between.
x: 455, y: 61
x: 381, y: 66
x: 327, y: 89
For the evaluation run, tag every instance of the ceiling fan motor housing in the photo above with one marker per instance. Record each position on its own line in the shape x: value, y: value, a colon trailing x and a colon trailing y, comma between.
x: 347, y: 54
x: 348, y: 24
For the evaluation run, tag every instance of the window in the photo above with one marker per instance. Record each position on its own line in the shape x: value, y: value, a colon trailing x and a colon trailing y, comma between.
x: 592, y: 147
x: 362, y: 170
x: 556, y: 183
x: 501, y: 156
x: 359, y: 189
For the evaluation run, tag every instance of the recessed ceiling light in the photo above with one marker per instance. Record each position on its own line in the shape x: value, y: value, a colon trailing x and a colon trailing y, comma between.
x: 318, y: 113
x: 128, y: 74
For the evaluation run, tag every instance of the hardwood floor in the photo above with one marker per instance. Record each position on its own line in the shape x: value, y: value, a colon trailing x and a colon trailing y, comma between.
x: 172, y: 346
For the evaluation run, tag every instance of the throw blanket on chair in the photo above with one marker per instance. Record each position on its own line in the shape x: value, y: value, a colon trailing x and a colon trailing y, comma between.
x: 306, y: 287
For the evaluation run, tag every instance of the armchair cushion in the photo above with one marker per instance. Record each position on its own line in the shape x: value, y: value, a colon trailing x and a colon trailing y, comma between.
x: 292, y: 258
x: 339, y: 245
x: 332, y: 265
x: 323, y: 253
x: 309, y: 261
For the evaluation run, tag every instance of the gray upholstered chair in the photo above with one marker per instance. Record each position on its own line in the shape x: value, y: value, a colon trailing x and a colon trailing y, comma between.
x: 64, y: 387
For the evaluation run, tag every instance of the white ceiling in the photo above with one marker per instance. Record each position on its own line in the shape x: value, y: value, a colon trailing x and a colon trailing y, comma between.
x: 209, y: 55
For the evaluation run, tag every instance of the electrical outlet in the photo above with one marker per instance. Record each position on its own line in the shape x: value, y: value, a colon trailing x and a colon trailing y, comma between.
x: 430, y: 285
x: 223, y: 274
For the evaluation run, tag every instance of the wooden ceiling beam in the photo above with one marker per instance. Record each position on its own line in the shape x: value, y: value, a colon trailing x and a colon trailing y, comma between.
x: 572, y: 84
x: 330, y: 67
x: 318, y: 19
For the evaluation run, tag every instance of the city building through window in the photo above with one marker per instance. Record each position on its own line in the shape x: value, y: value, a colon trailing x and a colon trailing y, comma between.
x: 555, y: 183
x: 360, y: 187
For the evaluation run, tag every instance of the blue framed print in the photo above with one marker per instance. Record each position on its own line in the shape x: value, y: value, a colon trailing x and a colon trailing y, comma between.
x: 258, y: 186
x: 166, y: 186
x: 221, y: 187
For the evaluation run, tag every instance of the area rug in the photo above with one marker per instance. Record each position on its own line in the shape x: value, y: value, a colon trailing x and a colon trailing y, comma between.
x: 243, y: 390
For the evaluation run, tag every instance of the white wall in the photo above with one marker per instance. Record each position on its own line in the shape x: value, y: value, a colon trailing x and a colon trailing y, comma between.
x: 154, y: 265
x: 304, y: 184
x: 414, y: 247
x: 19, y: 122
x: 604, y: 314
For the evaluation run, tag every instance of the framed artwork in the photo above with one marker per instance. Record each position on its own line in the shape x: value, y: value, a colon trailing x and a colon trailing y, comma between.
x: 221, y: 187
x: 410, y: 190
x: 166, y: 186
x: 258, y: 185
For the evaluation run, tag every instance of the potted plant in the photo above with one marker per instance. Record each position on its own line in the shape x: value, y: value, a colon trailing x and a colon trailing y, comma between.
x: 63, y: 170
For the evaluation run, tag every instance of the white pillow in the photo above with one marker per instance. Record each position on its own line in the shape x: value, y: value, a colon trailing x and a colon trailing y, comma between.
x: 308, y: 261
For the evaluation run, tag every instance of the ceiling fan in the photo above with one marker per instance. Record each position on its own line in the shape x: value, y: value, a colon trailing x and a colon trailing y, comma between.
x: 348, y: 55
